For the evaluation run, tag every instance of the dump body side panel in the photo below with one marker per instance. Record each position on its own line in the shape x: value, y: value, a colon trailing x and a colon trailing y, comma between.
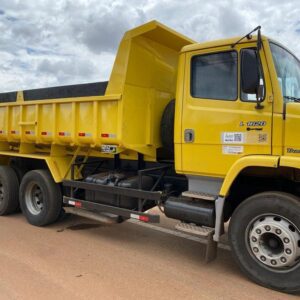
x: 75, y: 121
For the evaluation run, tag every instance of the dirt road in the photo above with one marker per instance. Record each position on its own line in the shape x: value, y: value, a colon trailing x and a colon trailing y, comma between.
x: 79, y: 259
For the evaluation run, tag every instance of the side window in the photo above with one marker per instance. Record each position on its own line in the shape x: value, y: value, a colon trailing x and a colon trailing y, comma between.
x: 214, y: 76
x: 252, y: 97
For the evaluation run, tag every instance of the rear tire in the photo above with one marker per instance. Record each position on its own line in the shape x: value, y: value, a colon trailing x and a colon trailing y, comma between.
x: 264, y: 234
x: 40, y: 198
x: 9, y: 191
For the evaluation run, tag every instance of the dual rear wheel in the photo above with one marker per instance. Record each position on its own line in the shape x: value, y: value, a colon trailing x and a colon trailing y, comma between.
x: 37, y: 194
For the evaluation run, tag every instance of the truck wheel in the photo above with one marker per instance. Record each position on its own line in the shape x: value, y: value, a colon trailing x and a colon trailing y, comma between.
x: 9, y: 190
x: 167, y: 127
x: 264, y: 234
x: 40, y: 198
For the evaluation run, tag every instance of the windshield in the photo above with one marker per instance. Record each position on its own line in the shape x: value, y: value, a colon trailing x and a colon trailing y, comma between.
x: 288, y: 73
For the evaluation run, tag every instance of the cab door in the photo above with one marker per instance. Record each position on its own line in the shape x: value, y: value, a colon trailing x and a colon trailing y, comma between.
x: 219, y: 124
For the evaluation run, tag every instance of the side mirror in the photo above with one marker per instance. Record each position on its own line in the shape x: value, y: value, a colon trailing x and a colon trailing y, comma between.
x: 250, y: 71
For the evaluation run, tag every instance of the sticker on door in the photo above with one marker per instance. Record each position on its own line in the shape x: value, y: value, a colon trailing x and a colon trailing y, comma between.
x: 233, y: 138
x: 232, y: 150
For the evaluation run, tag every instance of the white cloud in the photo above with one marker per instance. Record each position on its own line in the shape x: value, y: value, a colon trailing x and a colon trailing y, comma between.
x: 46, y: 43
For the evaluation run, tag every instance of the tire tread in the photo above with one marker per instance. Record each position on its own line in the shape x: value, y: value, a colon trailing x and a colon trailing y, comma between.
x: 10, y: 180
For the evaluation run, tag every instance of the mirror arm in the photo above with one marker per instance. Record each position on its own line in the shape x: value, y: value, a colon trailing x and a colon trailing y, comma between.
x: 259, y: 92
x: 258, y: 102
x: 259, y: 98
x: 259, y: 40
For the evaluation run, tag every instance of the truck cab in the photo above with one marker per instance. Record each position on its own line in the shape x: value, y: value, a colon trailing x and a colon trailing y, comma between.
x: 217, y: 123
x: 236, y: 139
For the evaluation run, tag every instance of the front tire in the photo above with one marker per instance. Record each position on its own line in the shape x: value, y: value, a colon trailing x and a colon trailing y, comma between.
x: 264, y: 234
x: 40, y: 198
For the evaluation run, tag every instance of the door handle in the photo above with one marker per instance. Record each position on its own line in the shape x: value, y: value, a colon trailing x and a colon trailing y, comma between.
x: 189, y: 135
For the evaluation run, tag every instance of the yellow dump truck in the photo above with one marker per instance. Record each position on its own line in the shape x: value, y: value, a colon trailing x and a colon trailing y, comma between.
x: 208, y: 132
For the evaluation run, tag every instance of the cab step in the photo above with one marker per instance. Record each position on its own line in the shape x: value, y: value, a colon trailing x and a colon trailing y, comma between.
x: 194, y: 229
x: 206, y: 232
x: 199, y: 195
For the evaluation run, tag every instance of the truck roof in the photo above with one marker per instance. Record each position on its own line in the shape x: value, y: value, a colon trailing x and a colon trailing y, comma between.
x: 218, y: 43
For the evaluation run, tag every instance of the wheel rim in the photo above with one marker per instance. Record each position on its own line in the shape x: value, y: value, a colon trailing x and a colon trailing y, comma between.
x: 34, y: 198
x: 1, y: 193
x: 274, y: 241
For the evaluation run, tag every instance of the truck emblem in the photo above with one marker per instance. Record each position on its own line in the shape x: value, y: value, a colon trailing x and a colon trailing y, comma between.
x: 256, y: 123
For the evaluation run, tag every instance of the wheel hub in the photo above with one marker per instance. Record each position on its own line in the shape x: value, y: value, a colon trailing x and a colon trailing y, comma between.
x: 275, y: 242
x: 34, y: 198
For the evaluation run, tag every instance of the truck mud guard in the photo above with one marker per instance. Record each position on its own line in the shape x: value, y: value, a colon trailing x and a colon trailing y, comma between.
x: 244, y: 162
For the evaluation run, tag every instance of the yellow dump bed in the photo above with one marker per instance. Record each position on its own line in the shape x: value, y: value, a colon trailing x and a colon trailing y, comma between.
x: 125, y: 119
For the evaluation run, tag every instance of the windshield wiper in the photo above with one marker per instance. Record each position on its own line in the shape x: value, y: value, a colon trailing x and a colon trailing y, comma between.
x: 292, y: 98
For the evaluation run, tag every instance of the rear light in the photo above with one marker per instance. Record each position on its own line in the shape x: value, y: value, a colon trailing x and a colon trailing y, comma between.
x: 78, y: 204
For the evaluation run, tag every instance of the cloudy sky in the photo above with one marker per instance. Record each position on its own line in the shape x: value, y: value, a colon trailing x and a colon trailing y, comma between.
x: 48, y: 43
